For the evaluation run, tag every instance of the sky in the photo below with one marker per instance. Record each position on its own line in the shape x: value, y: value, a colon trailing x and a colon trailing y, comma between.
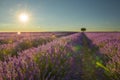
x: 60, y: 15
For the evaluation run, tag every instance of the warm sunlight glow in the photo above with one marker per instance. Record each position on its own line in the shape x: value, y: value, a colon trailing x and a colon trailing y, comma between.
x: 18, y: 33
x: 23, y: 17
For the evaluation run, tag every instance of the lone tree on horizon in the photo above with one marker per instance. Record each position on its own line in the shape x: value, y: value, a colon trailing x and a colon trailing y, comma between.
x: 83, y: 29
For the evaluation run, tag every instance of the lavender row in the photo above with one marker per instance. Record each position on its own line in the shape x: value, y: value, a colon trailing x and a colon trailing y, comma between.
x: 47, y: 62
x: 13, y: 49
x: 109, y: 46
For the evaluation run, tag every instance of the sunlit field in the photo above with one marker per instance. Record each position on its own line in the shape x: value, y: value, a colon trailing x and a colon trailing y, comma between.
x: 60, y: 56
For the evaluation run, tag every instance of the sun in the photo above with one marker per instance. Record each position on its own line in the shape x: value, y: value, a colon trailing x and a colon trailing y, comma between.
x: 23, y: 17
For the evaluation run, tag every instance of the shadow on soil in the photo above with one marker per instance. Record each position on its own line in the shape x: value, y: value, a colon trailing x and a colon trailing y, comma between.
x: 90, y: 62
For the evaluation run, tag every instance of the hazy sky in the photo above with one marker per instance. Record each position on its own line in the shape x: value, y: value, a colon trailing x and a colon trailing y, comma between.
x: 60, y: 15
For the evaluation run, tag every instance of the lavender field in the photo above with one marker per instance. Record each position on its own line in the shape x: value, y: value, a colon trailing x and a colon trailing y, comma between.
x: 60, y: 56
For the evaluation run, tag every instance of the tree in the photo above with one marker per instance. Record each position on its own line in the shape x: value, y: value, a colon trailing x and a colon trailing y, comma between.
x: 83, y: 29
